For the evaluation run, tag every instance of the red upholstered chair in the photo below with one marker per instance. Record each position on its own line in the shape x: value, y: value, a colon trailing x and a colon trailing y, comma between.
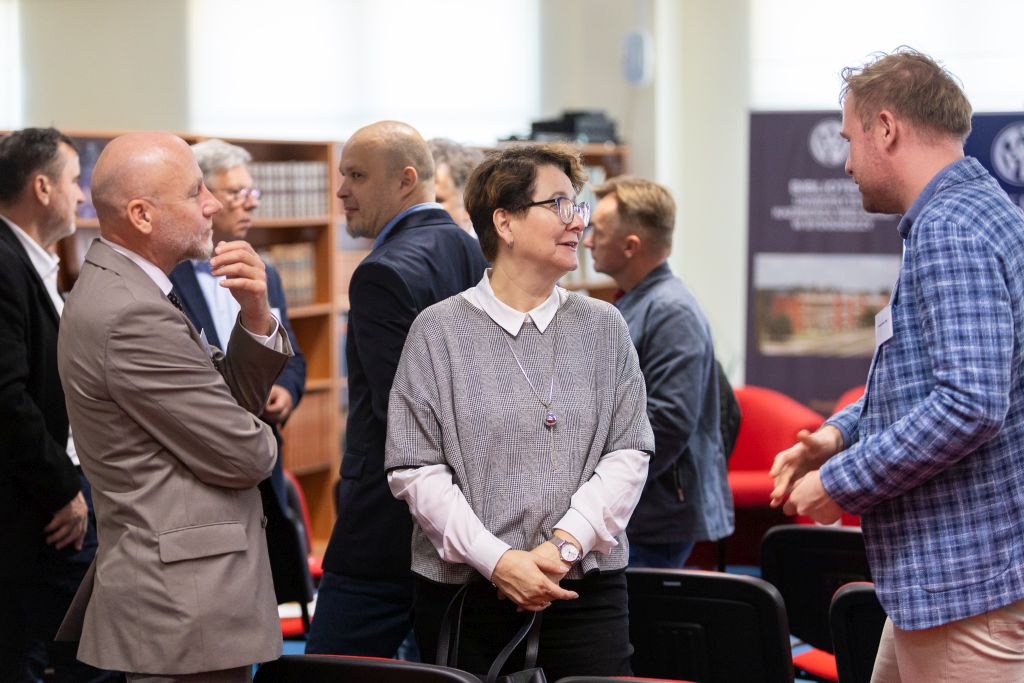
x: 770, y: 424
x: 297, y: 502
x: 848, y: 397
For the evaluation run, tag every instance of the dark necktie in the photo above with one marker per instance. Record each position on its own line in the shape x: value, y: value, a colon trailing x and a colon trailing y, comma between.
x: 173, y: 298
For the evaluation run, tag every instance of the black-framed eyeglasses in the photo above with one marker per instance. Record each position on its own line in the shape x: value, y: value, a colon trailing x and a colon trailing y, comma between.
x: 567, y: 209
x: 241, y: 195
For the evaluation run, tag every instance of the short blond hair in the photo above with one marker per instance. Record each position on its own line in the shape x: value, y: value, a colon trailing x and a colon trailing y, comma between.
x: 912, y: 85
x: 644, y: 205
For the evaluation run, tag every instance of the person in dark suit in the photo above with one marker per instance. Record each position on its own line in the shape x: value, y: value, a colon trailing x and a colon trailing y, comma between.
x: 212, y: 309
x: 48, y: 535
x: 419, y: 257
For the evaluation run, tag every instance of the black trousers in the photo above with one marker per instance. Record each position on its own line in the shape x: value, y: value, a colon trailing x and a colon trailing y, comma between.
x: 32, y: 608
x: 586, y: 636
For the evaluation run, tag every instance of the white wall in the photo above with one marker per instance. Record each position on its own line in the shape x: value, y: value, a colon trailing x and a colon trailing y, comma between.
x: 687, y: 129
x: 702, y: 130
x: 104, y: 65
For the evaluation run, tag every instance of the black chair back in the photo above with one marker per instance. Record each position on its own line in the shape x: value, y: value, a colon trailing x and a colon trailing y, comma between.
x: 344, y: 669
x: 808, y: 564
x: 857, y: 619
x: 615, y: 679
x: 707, y: 627
x: 286, y: 546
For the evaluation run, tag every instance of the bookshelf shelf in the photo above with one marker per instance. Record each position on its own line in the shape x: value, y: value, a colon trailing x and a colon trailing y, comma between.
x: 310, y: 310
x: 314, y: 385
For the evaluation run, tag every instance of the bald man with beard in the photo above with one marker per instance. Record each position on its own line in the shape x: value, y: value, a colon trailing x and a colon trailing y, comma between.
x: 420, y: 256
x: 167, y: 432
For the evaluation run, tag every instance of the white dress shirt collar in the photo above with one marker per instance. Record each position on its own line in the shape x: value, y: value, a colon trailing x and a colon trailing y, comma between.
x: 511, y: 320
x: 156, y: 275
x: 45, y: 263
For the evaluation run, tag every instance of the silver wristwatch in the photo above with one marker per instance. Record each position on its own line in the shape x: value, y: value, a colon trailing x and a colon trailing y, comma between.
x: 567, y: 550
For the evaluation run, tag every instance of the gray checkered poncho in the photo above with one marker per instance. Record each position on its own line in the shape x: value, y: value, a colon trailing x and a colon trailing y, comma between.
x: 460, y: 399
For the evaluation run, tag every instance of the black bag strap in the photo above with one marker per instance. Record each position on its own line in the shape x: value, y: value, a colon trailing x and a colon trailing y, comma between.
x: 451, y: 626
x: 529, y: 631
x: 448, y: 635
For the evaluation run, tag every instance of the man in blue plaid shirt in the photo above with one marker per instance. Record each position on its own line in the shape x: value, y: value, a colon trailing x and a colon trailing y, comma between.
x: 932, y: 457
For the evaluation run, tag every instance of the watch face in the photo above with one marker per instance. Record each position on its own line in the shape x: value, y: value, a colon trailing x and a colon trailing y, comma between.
x: 569, y: 552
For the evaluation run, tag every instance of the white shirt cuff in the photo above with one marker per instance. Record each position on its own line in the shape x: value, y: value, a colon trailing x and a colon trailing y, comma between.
x: 574, y: 523
x: 272, y: 340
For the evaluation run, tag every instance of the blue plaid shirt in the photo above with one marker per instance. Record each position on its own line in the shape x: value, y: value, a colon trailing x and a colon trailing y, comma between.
x: 935, y: 450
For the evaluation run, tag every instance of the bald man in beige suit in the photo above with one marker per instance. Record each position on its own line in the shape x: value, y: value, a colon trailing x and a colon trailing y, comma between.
x: 167, y: 431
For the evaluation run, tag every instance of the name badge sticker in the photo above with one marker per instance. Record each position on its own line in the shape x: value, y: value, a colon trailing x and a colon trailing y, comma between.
x: 205, y: 343
x: 883, y: 326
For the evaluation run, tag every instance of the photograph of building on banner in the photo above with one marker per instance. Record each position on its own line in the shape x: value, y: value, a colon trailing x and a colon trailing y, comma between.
x: 820, y: 304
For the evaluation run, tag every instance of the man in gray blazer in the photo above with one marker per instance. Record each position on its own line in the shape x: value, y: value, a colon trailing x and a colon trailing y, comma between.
x: 167, y: 431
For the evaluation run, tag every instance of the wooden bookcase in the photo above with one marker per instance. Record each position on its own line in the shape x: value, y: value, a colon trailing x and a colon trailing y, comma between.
x: 312, y: 433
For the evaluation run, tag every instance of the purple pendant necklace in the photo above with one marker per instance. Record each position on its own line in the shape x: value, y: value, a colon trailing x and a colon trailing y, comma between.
x: 550, y: 419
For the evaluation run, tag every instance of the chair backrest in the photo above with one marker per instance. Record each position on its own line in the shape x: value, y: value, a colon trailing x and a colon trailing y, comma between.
x: 848, y: 397
x: 857, y: 619
x: 287, y: 549
x: 297, y: 504
x: 808, y: 564
x: 617, y: 679
x: 770, y: 423
x: 708, y: 627
x: 343, y: 669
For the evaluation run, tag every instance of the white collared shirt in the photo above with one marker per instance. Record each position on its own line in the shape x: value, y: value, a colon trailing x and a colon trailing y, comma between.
x: 454, y: 529
x: 223, y: 306
x: 47, y: 265
x: 508, y: 318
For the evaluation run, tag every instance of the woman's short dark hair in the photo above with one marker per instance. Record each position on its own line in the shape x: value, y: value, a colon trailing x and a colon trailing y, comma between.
x: 506, y: 180
x: 26, y: 152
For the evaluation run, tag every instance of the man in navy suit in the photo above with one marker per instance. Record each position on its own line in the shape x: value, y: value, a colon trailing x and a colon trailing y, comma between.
x: 213, y: 309
x: 420, y: 256
x: 48, y: 534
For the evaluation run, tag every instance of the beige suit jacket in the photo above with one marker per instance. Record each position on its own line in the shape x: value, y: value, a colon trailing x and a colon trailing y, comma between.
x: 173, y: 451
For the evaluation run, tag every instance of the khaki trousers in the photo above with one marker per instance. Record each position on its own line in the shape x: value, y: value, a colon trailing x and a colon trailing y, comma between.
x: 987, y: 647
x: 242, y: 674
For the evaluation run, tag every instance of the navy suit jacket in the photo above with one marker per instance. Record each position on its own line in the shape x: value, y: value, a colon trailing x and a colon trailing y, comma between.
x: 292, y: 377
x: 36, y: 476
x: 424, y: 259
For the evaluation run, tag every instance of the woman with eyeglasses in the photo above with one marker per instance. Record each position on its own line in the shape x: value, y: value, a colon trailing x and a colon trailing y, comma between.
x: 518, y: 435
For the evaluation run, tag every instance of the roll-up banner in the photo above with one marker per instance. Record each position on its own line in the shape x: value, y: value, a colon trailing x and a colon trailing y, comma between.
x: 819, y: 266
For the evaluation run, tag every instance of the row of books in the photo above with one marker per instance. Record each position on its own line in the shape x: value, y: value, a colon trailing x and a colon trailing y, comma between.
x: 296, y: 263
x: 291, y: 189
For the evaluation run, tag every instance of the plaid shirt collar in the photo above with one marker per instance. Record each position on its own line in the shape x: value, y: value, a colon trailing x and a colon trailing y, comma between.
x: 967, y: 168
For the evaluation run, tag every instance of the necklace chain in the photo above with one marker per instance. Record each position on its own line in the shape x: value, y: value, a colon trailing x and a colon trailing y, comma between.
x: 550, y: 418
